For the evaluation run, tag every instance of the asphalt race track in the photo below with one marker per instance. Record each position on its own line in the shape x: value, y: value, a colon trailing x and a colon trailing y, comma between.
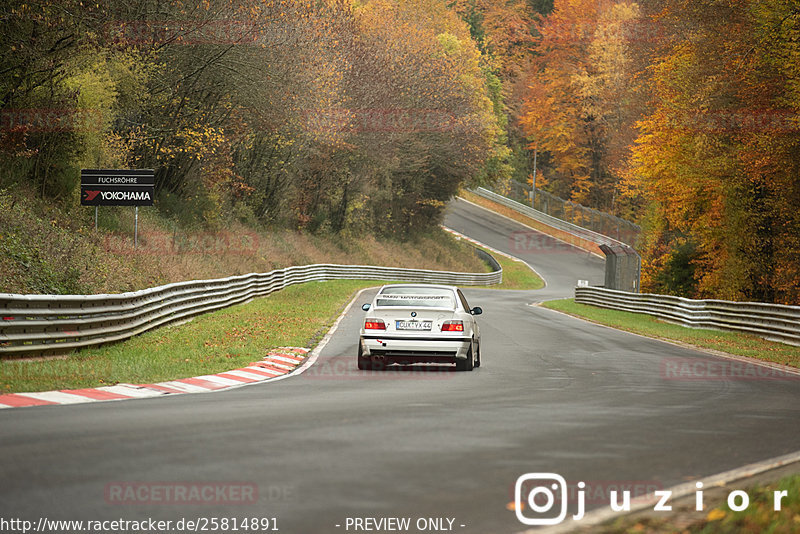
x: 554, y: 394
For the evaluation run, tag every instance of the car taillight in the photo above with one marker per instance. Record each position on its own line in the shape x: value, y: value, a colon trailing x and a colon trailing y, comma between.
x: 374, y: 324
x: 453, y: 326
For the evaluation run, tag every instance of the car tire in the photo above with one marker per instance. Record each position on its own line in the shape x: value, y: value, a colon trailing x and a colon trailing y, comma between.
x: 364, y: 364
x: 467, y: 363
x: 478, y: 359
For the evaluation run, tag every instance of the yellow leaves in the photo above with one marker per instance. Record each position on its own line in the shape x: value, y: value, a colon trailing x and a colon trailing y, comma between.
x: 450, y: 43
x: 716, y: 514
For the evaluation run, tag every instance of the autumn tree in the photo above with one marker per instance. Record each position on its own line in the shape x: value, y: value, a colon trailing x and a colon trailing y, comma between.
x: 718, y: 154
x: 324, y: 115
x: 578, y: 102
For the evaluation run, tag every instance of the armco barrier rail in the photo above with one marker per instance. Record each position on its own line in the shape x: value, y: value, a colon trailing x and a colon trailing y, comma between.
x: 770, y: 321
x: 623, y: 264
x: 549, y: 220
x: 566, y: 210
x: 54, y: 324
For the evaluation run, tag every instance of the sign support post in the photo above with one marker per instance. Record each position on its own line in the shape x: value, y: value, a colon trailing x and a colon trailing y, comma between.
x: 533, y: 186
x: 136, y: 228
x: 95, y: 218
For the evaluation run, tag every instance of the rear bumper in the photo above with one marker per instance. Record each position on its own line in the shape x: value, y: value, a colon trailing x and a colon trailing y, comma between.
x: 417, y: 349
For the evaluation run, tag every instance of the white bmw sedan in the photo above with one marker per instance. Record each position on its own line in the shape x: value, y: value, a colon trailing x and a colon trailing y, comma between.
x: 408, y: 324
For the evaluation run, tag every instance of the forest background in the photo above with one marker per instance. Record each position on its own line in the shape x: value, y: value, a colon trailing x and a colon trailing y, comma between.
x: 349, y: 118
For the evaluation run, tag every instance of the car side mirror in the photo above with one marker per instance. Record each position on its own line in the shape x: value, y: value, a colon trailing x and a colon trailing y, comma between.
x: 365, y: 307
x: 477, y: 310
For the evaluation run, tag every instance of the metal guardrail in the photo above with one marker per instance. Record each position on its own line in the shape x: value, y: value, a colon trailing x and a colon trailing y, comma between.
x: 775, y: 322
x: 549, y: 220
x: 55, y: 324
x: 623, y: 264
x: 585, y: 217
x: 770, y: 321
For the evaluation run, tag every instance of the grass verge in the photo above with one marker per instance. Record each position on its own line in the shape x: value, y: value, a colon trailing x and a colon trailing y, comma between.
x: 759, y: 516
x: 52, y: 248
x: 646, y: 325
x: 211, y: 343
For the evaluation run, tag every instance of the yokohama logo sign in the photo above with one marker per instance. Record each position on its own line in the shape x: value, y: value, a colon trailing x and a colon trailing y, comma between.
x: 127, y: 196
x: 115, y: 187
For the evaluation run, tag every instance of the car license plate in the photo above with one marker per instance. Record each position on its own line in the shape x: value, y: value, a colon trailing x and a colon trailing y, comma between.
x: 414, y: 325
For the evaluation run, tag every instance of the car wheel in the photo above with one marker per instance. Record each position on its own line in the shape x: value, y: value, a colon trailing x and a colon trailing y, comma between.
x: 364, y: 364
x: 478, y: 359
x: 467, y: 363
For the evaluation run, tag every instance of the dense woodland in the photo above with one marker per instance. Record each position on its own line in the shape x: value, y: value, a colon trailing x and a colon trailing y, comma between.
x: 367, y: 116
x: 322, y: 115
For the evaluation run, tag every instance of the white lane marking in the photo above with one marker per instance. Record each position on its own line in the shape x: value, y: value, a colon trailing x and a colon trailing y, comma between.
x: 131, y: 391
x: 280, y: 365
x: 245, y: 374
x: 183, y: 386
x: 283, y: 359
x: 263, y: 371
x: 476, y: 242
x: 312, y: 358
x: 219, y: 380
x: 313, y: 355
x: 58, y: 397
x: 506, y: 254
x: 233, y: 384
x: 597, y: 517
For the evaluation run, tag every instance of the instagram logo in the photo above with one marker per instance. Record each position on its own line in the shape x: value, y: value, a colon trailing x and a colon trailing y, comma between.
x: 539, y: 492
x: 546, y: 496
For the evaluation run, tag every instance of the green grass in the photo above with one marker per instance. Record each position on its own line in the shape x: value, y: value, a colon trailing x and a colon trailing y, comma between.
x: 211, y: 343
x: 760, y: 516
x: 516, y: 274
x: 720, y: 519
x: 646, y: 325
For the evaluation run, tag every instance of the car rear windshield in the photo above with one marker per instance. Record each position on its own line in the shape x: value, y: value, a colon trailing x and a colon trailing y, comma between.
x: 416, y: 297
